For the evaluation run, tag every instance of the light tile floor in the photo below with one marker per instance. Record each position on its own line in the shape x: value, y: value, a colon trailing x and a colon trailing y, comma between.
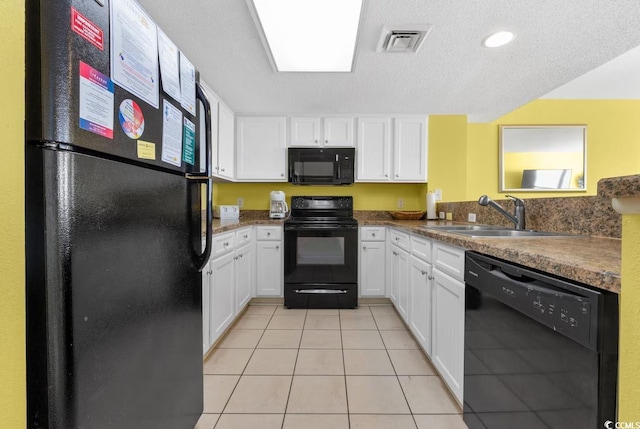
x: 315, y: 369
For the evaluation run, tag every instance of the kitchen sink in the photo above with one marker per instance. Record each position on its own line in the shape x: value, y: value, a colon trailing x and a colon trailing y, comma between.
x: 488, y: 231
x: 466, y: 227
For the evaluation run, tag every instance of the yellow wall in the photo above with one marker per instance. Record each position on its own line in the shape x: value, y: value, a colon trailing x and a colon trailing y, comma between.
x: 12, y: 268
x: 448, y: 155
x: 613, y: 146
x: 366, y: 196
x: 629, y: 388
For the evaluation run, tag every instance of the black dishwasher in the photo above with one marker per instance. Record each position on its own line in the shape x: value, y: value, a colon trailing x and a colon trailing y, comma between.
x: 540, y: 351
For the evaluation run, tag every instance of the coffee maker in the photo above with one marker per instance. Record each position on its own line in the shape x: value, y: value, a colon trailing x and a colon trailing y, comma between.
x: 278, y: 208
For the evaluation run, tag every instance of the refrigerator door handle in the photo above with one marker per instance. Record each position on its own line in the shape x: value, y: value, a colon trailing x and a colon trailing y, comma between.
x: 206, y: 177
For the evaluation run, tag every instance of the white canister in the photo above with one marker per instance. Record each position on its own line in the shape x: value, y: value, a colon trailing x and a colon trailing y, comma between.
x: 431, y: 206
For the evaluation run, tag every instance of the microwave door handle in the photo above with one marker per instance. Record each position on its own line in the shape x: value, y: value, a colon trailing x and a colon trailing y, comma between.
x: 339, y: 165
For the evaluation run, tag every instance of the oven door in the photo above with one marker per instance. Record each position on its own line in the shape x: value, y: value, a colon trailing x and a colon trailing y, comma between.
x: 321, y: 265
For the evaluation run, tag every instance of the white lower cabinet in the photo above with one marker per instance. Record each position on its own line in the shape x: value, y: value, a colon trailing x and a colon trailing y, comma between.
x: 221, y: 295
x: 448, y: 330
x: 420, y: 302
x: 206, y: 281
x: 399, y: 273
x: 269, y: 268
x: 245, y: 275
x: 372, y: 271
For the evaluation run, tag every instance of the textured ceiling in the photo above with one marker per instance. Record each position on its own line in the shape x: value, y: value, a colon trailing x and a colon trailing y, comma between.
x: 556, y: 41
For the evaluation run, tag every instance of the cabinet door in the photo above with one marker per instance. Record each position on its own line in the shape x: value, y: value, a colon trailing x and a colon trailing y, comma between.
x: 420, y: 302
x: 410, y: 150
x: 269, y: 268
x: 304, y: 132
x: 448, y: 330
x: 213, y: 101
x: 403, y: 284
x: 392, y: 276
x: 374, y: 150
x: 261, y: 144
x: 221, y: 298
x: 372, y: 268
x: 226, y: 143
x: 206, y: 284
x: 245, y: 275
x: 338, y: 132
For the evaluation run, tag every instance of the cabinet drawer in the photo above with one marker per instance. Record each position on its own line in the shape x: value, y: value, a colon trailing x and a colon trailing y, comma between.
x: 449, y: 259
x: 269, y: 233
x: 421, y: 248
x: 400, y: 239
x: 222, y: 244
x: 372, y: 233
x: 244, y: 236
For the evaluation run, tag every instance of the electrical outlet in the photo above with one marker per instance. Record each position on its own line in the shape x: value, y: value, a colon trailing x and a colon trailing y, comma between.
x: 472, y: 217
x: 441, y: 215
x: 449, y: 216
x: 438, y: 193
x: 400, y: 203
x: 240, y: 202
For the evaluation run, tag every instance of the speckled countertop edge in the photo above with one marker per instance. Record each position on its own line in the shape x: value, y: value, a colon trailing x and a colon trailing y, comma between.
x: 620, y: 187
x: 593, y: 261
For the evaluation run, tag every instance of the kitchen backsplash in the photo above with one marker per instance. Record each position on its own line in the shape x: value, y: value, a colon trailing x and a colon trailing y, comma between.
x: 575, y: 215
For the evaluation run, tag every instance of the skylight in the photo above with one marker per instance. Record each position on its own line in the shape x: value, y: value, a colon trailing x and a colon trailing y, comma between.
x: 310, y: 35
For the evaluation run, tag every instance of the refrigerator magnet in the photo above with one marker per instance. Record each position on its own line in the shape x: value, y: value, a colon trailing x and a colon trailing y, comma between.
x: 146, y: 150
x: 96, y: 101
x: 131, y: 119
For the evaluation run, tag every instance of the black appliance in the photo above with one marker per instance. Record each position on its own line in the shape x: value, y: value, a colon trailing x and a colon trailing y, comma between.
x: 540, y: 351
x: 321, y: 166
x: 113, y: 232
x: 321, y: 253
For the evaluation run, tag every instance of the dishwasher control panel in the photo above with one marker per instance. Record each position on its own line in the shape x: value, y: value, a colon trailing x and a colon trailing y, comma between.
x: 571, y: 311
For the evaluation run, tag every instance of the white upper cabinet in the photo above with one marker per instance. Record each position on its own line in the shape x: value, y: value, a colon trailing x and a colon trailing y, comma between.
x: 304, y: 132
x: 373, y: 155
x: 225, y: 162
x: 319, y: 132
x: 410, y: 150
x: 261, y: 148
x: 386, y: 155
x: 338, y: 132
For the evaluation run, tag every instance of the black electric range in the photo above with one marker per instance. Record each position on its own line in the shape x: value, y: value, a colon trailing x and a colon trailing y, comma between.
x: 321, y: 253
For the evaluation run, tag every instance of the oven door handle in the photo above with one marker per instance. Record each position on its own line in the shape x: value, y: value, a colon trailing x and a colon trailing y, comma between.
x: 321, y: 291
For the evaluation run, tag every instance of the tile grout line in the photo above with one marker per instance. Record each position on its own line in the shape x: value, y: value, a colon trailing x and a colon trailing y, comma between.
x: 293, y: 373
x: 344, y: 371
x: 245, y: 368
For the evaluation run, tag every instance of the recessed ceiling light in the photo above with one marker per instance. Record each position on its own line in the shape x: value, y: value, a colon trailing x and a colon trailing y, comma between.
x: 498, y: 39
x: 310, y: 35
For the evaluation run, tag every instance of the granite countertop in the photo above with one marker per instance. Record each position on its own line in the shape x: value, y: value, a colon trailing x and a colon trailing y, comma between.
x: 591, y: 260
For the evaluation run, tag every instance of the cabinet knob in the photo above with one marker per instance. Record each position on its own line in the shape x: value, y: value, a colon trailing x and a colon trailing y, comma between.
x: 268, y: 234
x: 222, y: 169
x: 386, y: 175
x: 364, y: 247
x: 235, y: 258
x: 277, y: 247
x: 373, y: 234
x: 217, y: 168
x: 281, y: 174
x: 316, y: 140
x: 424, y: 272
x: 245, y: 236
x: 326, y: 141
x: 240, y: 255
x: 397, y: 175
x: 430, y: 277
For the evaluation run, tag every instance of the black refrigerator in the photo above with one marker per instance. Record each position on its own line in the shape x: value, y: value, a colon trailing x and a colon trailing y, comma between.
x: 114, y: 178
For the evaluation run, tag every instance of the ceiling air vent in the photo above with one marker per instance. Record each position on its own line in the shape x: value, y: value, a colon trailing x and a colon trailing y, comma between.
x: 402, y: 38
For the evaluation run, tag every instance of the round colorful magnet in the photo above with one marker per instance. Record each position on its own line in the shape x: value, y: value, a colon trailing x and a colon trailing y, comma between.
x: 131, y: 119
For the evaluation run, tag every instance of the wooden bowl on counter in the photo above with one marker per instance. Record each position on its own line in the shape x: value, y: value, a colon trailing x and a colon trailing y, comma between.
x: 407, y: 215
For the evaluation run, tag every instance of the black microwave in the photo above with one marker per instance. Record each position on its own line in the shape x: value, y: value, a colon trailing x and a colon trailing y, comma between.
x: 321, y: 166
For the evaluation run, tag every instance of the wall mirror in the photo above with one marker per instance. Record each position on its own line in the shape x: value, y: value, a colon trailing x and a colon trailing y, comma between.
x: 543, y: 158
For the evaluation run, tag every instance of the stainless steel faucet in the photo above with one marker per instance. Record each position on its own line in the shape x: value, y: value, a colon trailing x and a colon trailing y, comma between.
x: 518, y: 215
